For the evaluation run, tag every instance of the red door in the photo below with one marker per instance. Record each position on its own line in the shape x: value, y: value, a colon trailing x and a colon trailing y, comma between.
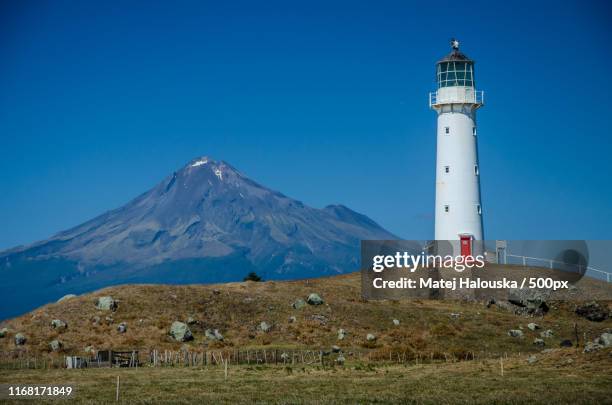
x: 466, y: 245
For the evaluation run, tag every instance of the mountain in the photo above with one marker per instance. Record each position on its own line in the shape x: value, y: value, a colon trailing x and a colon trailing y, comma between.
x: 205, y: 223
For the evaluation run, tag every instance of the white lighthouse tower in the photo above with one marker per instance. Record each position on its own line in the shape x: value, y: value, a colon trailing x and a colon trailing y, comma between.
x: 458, y: 207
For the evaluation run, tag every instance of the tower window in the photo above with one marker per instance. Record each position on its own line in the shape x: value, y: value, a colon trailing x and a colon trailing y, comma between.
x: 447, y: 130
x: 476, y: 172
x: 474, y: 131
x: 446, y: 208
x: 479, y: 209
x: 446, y: 169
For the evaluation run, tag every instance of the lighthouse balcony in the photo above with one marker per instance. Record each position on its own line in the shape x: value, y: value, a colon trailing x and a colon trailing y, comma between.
x: 456, y: 95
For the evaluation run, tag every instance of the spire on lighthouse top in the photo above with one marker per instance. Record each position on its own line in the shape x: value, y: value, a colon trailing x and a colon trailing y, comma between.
x: 455, y: 54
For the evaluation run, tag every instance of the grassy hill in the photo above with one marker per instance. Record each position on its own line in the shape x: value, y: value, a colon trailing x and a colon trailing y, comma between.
x: 236, y: 310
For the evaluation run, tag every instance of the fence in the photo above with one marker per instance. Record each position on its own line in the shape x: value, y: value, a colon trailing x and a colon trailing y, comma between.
x: 549, y: 263
x: 182, y: 358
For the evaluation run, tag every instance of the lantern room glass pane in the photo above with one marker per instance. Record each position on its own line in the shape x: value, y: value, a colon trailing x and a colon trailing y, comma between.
x: 455, y: 74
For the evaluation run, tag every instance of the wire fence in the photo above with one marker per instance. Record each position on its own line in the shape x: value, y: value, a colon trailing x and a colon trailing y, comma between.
x: 559, y: 265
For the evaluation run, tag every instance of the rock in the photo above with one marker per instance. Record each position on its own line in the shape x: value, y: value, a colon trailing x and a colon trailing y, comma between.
x: 532, y: 359
x: 292, y: 319
x: 213, y: 334
x: 340, y: 360
x: 55, y: 345
x: 180, y: 332
x: 216, y: 291
x: 95, y: 320
x: 109, y: 320
x: 546, y: 334
x: 566, y: 343
x: 593, y: 312
x: 284, y: 357
x: 20, y: 339
x: 605, y: 339
x: 298, y: 304
x: 265, y: 327
x: 58, y: 324
x: 314, y: 299
x: 66, y: 297
x: 342, y: 334
x: 455, y: 315
x: 247, y: 300
x: 531, y: 301
x: 122, y: 327
x: 539, y: 342
x: 396, y: 322
x: 106, y: 303
x: 336, y: 349
x: 591, y: 347
x: 370, y: 337
x: 322, y: 319
x: 3, y: 332
x: 533, y: 326
x: 191, y: 321
x: 516, y: 333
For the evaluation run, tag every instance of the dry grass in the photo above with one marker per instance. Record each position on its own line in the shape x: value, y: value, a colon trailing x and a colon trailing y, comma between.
x: 149, y: 310
x: 563, y: 377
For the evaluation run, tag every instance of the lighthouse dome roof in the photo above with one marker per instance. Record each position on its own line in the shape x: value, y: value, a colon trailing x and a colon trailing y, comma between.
x: 455, y: 55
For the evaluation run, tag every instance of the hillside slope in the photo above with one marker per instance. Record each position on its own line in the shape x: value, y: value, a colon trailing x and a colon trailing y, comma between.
x: 237, y: 309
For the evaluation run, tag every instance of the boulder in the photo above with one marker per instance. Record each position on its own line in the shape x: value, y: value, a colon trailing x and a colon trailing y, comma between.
x: 106, y: 303
x: 20, y: 339
x: 454, y: 315
x: 3, y: 332
x: 546, y: 334
x: 95, y: 320
x: 66, y: 297
x: 516, y: 333
x: 396, y: 322
x: 591, y: 347
x: 529, y: 301
x: 213, y: 334
x: 265, y: 327
x: 566, y: 343
x: 340, y: 360
x: 298, y: 304
x: 216, y: 291
x: 532, y: 359
x: 533, y: 326
x: 314, y: 299
x: 342, y: 334
x: 58, y: 324
x: 370, y: 337
x: 191, y: 321
x: 605, y: 339
x: 336, y: 349
x: 122, y: 327
x: 180, y: 332
x: 593, y: 311
x: 539, y: 342
x: 55, y: 345
x: 292, y: 319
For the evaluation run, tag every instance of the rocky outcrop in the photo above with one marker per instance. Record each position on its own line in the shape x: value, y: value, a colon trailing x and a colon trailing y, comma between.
x: 593, y: 311
x: 180, y: 332
x: 58, y: 324
x: 106, y: 303
x: 315, y: 299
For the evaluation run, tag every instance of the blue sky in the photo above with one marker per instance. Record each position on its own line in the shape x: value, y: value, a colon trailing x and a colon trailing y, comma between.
x: 323, y: 101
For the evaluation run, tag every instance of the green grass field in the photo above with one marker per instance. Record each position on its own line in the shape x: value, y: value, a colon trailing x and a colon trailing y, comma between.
x: 561, y: 377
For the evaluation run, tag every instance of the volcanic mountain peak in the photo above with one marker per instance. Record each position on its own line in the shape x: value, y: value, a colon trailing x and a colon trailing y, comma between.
x: 206, y: 222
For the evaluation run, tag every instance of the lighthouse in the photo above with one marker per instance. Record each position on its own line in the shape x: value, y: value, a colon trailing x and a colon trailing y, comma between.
x: 458, y: 211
